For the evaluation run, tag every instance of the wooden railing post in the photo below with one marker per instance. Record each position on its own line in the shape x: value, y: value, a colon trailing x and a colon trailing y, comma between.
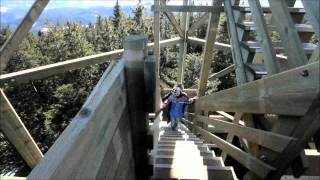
x: 135, y: 55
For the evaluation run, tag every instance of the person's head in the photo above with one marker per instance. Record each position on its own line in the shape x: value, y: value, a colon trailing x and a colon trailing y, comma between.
x: 176, y: 91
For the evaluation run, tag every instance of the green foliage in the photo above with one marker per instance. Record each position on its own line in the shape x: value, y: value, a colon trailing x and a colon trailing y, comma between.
x: 192, y: 69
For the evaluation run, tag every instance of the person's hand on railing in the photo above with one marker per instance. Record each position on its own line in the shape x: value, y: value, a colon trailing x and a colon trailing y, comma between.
x: 192, y: 100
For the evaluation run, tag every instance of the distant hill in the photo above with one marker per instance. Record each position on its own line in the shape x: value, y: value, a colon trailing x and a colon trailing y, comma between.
x: 13, y: 16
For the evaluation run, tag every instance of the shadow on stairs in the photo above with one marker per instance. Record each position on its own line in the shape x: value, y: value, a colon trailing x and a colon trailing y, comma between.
x: 181, y: 155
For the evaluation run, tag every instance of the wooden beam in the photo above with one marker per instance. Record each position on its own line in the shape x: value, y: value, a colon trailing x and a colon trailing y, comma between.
x: 92, y: 144
x: 223, y: 72
x: 247, y: 9
x: 217, y: 45
x: 307, y: 127
x: 156, y: 34
x: 217, y: 75
x: 201, y: 21
x: 21, y: 32
x: 270, y: 60
x: 208, y: 50
x: 288, y: 34
x: 16, y: 132
x: 42, y: 72
x: 267, y: 139
x: 184, y: 23
x: 257, y: 166
x: 171, y: 8
x: 235, y: 44
x: 175, y: 24
x: 269, y: 95
x: 225, y: 115
x: 313, y: 15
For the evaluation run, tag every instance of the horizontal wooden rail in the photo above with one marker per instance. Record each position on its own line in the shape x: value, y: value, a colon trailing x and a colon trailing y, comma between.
x: 269, y: 95
x: 57, y: 68
x: 218, y: 45
x: 253, y: 164
x: 189, y: 8
x: 267, y: 139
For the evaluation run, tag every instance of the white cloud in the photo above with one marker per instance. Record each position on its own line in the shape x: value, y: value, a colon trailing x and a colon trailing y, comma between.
x: 4, y: 9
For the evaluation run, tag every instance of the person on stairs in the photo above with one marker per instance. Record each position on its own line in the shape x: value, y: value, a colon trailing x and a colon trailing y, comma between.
x: 176, y: 103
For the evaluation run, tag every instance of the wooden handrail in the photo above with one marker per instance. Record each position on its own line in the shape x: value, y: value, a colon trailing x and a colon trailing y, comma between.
x: 255, y: 165
x: 269, y: 95
x: 267, y: 139
x: 42, y: 72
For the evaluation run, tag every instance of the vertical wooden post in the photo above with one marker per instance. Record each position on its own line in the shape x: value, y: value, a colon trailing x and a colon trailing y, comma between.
x: 208, y: 50
x: 184, y: 23
x: 16, y: 38
x: 156, y: 34
x: 135, y: 54
x: 14, y: 129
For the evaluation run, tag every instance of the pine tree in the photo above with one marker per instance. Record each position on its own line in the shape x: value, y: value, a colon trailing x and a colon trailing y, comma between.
x: 117, y: 15
x: 138, y: 17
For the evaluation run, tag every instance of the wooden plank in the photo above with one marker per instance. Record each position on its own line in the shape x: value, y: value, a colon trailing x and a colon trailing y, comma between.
x: 201, y: 21
x: 135, y: 56
x: 267, y: 139
x: 156, y: 34
x: 235, y: 46
x: 269, y: 95
x: 175, y: 8
x: 270, y: 60
x: 254, y: 46
x: 41, y: 72
x: 21, y: 32
x: 312, y: 14
x: 208, y: 50
x: 257, y: 166
x: 251, y: 26
x: 225, y: 115
x: 247, y: 9
x: 288, y: 34
x: 16, y: 132
x: 85, y: 142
